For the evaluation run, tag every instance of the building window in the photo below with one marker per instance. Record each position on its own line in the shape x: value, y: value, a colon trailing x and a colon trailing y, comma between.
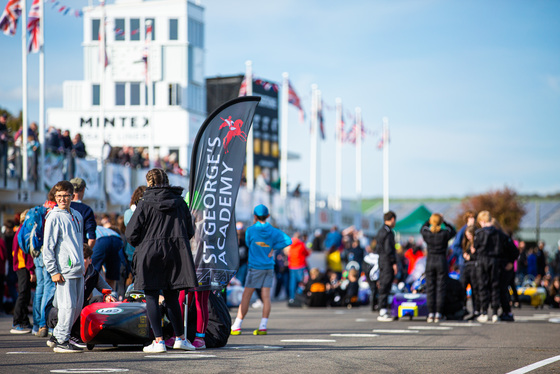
x: 135, y: 94
x: 196, y: 33
x: 95, y: 30
x: 174, y: 94
x: 153, y: 27
x: 95, y: 95
x: 173, y: 29
x: 120, y: 98
x: 120, y: 29
x: 134, y: 29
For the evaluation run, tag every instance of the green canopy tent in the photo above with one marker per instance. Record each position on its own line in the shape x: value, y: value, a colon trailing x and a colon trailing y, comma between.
x: 411, y: 224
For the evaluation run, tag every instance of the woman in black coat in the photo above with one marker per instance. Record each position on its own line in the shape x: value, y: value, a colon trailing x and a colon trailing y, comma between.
x: 160, y: 230
x: 436, y: 238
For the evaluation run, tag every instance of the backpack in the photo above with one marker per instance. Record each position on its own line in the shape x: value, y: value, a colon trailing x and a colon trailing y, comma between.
x: 30, y: 237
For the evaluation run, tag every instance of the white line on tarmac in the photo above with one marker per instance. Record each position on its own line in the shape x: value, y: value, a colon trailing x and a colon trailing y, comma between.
x: 309, y: 341
x: 26, y: 353
x: 395, y: 331
x: 252, y: 347
x: 554, y: 320
x: 89, y: 370
x: 356, y: 335
x: 430, y: 328
x: 459, y: 324
x: 536, y: 365
x: 182, y: 355
x: 363, y: 320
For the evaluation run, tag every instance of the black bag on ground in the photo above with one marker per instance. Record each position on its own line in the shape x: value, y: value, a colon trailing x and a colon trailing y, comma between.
x: 219, y: 321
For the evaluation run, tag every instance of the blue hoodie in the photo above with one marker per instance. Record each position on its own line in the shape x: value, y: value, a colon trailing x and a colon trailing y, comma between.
x: 262, y: 239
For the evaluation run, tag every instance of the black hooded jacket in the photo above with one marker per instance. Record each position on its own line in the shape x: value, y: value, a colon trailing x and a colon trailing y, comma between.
x: 160, y: 230
x: 437, y: 242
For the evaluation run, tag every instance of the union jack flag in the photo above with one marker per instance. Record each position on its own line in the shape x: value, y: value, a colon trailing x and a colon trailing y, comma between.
x: 33, y: 27
x: 351, y: 136
x: 8, y: 20
x: 293, y: 99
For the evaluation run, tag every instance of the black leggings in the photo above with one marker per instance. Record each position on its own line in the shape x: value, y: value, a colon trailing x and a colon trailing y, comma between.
x: 173, y: 311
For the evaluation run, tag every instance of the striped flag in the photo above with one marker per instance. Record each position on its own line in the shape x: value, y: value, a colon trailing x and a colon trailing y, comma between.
x: 293, y: 99
x: 321, y: 120
x: 341, y: 126
x: 33, y: 27
x: 8, y: 20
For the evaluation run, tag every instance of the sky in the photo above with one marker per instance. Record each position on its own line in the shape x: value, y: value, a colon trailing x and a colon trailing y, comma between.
x: 471, y: 89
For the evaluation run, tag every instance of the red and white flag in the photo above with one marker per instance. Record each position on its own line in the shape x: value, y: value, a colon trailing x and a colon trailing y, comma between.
x: 33, y: 27
x: 243, y: 88
x: 293, y: 99
x: 8, y: 20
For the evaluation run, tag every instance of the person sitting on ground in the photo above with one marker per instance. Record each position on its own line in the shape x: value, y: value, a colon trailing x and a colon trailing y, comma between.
x: 315, y: 292
x: 553, y: 299
x: 351, y: 289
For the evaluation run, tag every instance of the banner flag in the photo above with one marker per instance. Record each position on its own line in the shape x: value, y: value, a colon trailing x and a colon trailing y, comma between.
x: 87, y: 170
x: 217, y: 161
x: 118, y: 184
x: 54, y: 169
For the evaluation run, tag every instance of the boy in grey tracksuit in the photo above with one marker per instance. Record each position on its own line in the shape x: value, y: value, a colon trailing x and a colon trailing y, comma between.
x: 64, y: 260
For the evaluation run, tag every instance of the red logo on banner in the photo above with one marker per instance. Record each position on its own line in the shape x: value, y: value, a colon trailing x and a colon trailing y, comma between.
x: 234, y: 131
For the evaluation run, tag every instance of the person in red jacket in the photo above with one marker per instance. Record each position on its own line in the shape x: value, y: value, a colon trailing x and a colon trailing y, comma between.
x: 25, y: 270
x: 297, y: 263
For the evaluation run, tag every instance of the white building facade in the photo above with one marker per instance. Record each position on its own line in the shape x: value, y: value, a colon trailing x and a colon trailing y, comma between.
x: 120, y: 92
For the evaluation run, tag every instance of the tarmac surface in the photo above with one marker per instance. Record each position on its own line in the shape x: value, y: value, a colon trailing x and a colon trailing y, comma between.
x: 322, y: 340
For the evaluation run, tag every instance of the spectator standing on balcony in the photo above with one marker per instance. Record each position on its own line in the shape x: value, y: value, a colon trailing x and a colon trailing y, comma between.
x: 541, y: 259
x: 86, y: 212
x: 78, y: 146
x: 53, y: 142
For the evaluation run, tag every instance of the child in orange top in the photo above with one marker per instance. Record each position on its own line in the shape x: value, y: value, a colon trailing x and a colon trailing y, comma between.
x: 25, y: 270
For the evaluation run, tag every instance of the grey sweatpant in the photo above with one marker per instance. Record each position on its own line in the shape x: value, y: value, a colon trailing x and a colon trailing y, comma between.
x: 69, y: 299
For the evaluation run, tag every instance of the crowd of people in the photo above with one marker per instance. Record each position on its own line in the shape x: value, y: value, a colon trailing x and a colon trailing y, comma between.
x: 82, y: 252
x: 60, y: 142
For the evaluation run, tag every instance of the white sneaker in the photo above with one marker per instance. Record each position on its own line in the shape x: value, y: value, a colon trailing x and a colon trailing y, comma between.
x: 183, y: 344
x: 494, y: 318
x: 430, y: 318
x: 257, y: 304
x: 437, y: 318
x: 482, y: 318
x: 156, y: 347
x: 385, y: 318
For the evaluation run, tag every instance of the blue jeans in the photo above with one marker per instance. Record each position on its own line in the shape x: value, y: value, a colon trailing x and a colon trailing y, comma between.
x: 241, y: 274
x: 296, y: 276
x: 43, y: 293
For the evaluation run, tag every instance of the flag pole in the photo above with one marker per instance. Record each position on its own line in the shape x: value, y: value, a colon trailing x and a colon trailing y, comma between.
x: 284, y: 127
x: 338, y: 155
x: 24, y: 125
x: 150, y: 88
x: 359, y: 163
x: 385, y: 164
x: 313, y: 158
x: 250, y: 139
x: 42, y: 125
